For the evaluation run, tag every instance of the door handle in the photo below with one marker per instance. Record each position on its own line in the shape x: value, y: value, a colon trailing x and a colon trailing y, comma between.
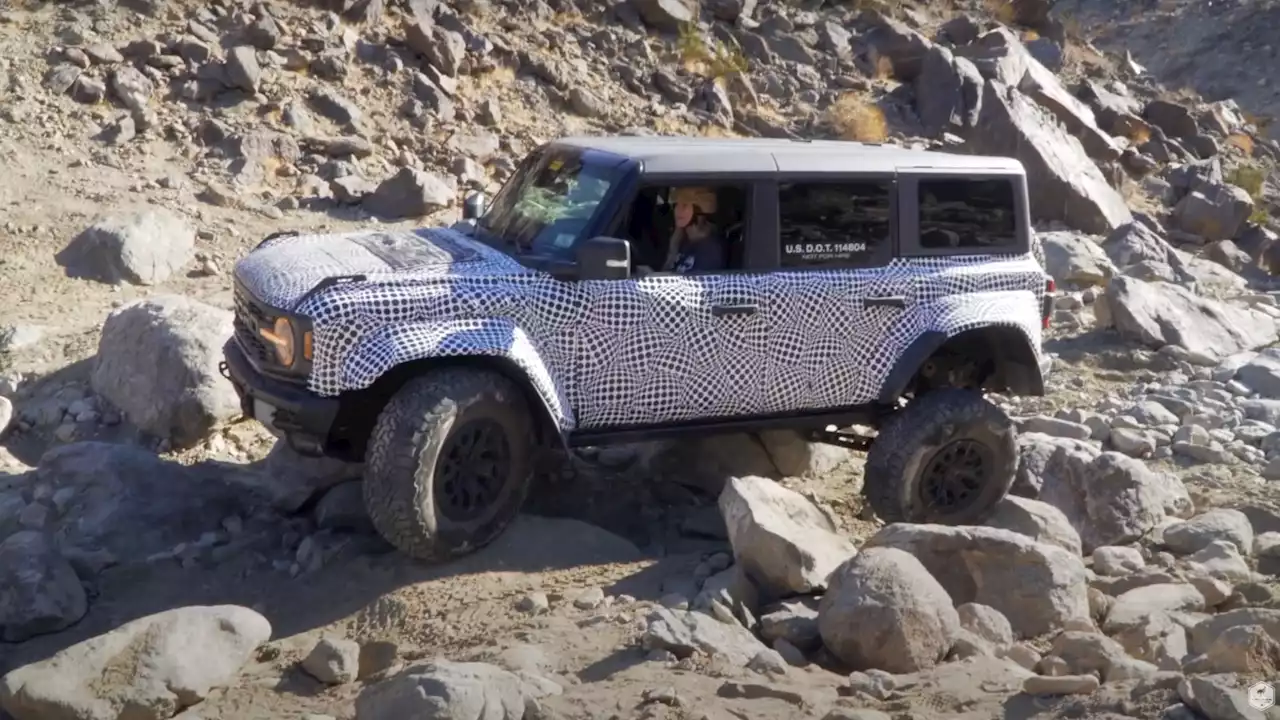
x: 723, y: 310
x: 885, y: 301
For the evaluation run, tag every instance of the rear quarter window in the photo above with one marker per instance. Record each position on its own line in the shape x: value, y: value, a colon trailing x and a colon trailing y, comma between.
x: 966, y: 214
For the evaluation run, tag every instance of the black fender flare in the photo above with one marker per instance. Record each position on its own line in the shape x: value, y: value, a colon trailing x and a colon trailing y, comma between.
x: 1023, y: 374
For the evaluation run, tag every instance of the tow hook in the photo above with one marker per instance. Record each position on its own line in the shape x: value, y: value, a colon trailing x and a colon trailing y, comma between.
x: 224, y: 369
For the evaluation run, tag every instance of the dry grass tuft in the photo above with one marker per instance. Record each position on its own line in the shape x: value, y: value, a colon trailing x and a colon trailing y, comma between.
x: 1030, y: 36
x: 1001, y: 10
x: 1250, y: 178
x: 884, y: 66
x: 1139, y: 135
x: 855, y: 118
x: 715, y: 62
x: 1241, y: 142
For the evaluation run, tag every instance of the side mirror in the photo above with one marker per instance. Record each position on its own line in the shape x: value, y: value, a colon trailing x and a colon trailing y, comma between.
x: 473, y: 206
x: 604, y: 258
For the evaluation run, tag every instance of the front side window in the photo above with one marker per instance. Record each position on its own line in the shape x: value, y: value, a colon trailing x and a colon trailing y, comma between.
x: 546, y: 206
x: 967, y: 214
x: 835, y: 224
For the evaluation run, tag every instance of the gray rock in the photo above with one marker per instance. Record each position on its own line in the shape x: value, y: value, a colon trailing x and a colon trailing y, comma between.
x: 335, y: 107
x: 162, y: 662
x: 666, y: 15
x: 1159, y: 314
x: 1134, y: 607
x: 904, y: 48
x: 411, y: 193
x: 1241, y: 649
x: 883, y: 610
x: 1038, y: 587
x: 242, y: 70
x: 1216, y: 699
x: 1108, y: 498
x: 1037, y: 520
x: 1261, y: 373
x: 1206, y: 631
x: 158, y: 364
x: 1056, y: 427
x: 786, y: 545
x: 1063, y: 182
x: 132, y: 88
x: 448, y: 691
x: 987, y: 623
x: 1222, y: 560
x: 1197, y: 533
x: 131, y: 504
x: 289, y: 480
x: 333, y: 661
x: 143, y: 248
x: 1214, y: 212
x: 342, y: 508
x: 1076, y: 259
x: 795, y: 621
x: 1116, y: 560
x: 948, y: 92
x: 42, y: 593
x: 683, y: 633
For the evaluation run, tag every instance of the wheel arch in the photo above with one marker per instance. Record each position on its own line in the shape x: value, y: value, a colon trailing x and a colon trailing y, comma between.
x: 1005, y: 356
x: 383, y: 361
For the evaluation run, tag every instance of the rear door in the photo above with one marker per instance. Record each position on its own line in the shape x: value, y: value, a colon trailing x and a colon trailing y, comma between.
x: 837, y: 292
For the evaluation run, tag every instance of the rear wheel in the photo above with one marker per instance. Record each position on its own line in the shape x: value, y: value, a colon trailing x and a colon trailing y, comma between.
x: 449, y: 463
x: 948, y: 457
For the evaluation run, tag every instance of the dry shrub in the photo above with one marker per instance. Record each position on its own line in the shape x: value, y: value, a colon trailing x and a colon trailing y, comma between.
x: 1139, y: 134
x: 1030, y: 36
x: 1241, y: 142
x: 855, y: 118
x: 1001, y: 10
x: 712, y: 62
x: 1250, y: 178
x: 883, y: 66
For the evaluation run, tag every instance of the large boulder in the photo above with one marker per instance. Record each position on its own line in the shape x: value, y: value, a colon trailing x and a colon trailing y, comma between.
x: 147, y: 669
x: 158, y: 363
x: 1072, y: 258
x: 904, y: 48
x: 1158, y: 314
x: 1001, y: 56
x: 885, y: 611
x: 1109, y: 498
x: 783, y: 541
x: 39, y: 590
x: 1063, y: 182
x: 1039, y: 521
x: 1038, y: 587
x: 1261, y: 374
x: 131, y: 504
x: 948, y: 92
x: 1214, y: 212
x: 144, y: 247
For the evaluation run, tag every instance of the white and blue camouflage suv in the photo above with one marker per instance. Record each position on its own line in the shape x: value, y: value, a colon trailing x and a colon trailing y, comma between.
x: 860, y: 284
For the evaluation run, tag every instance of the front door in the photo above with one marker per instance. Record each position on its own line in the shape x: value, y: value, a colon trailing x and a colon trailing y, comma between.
x: 670, y: 348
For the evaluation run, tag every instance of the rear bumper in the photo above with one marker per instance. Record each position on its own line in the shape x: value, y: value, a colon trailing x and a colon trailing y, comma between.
x: 288, y: 410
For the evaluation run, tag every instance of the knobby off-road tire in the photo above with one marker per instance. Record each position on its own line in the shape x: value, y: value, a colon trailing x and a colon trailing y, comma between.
x: 424, y: 429
x: 943, y: 430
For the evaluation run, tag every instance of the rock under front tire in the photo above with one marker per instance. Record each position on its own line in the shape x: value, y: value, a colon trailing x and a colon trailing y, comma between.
x: 449, y: 463
x: 948, y: 457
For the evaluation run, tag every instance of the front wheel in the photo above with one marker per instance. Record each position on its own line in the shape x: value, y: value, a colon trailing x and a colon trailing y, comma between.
x: 449, y: 466
x: 949, y: 457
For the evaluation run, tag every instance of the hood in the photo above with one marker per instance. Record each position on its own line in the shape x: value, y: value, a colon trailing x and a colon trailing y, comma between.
x: 282, y: 270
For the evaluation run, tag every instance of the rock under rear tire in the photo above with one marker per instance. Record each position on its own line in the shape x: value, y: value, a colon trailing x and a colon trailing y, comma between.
x: 449, y: 463
x: 949, y: 457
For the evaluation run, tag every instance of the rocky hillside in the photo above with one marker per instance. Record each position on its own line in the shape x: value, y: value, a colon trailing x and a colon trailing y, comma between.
x: 160, y: 558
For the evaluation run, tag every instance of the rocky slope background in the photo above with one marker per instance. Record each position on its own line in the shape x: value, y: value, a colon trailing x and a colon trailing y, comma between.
x: 159, y: 559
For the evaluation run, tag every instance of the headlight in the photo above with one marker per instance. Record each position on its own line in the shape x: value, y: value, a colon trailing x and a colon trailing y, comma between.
x: 281, y: 338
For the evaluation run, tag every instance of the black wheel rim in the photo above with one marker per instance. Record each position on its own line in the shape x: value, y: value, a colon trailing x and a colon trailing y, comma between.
x: 472, y: 470
x: 955, y: 477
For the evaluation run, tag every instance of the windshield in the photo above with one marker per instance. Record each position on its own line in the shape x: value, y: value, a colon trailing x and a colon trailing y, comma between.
x: 544, y: 209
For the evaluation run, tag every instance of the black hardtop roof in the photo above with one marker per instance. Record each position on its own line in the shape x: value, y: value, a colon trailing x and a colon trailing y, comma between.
x: 663, y: 155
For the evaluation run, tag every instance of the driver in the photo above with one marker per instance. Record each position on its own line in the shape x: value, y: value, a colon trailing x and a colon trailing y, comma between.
x: 697, y: 245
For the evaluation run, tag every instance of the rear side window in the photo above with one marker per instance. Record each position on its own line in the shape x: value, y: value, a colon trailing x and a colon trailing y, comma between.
x: 835, y: 224
x: 967, y: 214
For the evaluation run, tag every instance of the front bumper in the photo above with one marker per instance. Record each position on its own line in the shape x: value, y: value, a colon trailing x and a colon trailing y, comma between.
x: 290, y: 411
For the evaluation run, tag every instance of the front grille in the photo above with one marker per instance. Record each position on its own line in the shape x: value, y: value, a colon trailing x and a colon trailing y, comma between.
x: 250, y: 317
